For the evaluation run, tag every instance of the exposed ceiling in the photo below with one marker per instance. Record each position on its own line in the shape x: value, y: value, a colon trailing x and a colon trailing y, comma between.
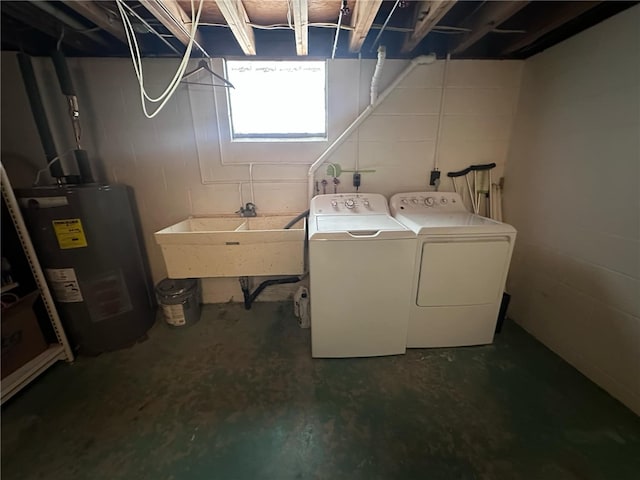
x: 297, y: 28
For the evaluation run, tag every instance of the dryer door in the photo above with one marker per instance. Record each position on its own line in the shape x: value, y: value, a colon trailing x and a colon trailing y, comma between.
x: 462, y: 271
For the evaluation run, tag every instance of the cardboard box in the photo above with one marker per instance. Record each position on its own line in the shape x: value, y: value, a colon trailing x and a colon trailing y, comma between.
x: 22, y: 339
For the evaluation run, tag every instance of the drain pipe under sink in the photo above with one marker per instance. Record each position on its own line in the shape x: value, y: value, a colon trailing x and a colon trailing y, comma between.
x: 249, y: 296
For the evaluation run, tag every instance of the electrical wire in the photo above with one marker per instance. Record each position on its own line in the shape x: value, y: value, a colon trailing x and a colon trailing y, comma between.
x: 151, y: 29
x: 51, y: 162
x: 136, y: 58
x: 138, y: 66
x: 284, y: 26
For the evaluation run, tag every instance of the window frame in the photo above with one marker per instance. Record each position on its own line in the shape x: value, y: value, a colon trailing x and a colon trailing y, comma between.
x: 279, y: 137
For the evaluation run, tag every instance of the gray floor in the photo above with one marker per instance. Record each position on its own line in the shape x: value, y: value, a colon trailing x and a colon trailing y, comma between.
x: 237, y: 396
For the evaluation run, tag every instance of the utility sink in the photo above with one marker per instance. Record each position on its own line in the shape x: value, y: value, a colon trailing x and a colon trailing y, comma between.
x: 233, y: 247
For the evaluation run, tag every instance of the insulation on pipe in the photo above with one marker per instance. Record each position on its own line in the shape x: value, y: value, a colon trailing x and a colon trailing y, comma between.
x: 39, y: 114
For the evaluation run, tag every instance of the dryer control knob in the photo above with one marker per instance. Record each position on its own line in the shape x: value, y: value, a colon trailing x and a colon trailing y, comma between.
x: 429, y: 201
x: 415, y: 201
x: 350, y: 203
x: 334, y: 204
x: 443, y: 201
x: 366, y: 203
x: 405, y: 201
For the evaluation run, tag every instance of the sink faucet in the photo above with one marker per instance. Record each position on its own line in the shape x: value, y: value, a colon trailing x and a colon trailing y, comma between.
x: 249, y: 210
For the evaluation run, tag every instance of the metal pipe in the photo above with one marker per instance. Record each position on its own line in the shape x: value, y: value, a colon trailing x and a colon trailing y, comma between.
x: 70, y: 21
x: 151, y: 29
x: 384, y: 25
x: 39, y: 114
x: 67, y: 88
x: 335, y: 40
x: 84, y: 166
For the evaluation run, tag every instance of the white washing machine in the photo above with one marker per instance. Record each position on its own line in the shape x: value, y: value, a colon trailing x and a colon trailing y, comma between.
x: 361, y: 264
x: 461, y: 266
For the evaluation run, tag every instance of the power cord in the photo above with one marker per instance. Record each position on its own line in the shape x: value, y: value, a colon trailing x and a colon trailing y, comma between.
x: 136, y: 58
x: 51, y: 162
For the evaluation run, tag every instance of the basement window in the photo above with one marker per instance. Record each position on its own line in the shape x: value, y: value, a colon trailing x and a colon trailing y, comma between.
x: 277, y: 100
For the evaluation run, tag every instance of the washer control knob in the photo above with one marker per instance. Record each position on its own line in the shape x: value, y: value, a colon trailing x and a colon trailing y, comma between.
x: 415, y: 201
x: 334, y: 204
x: 429, y: 201
x: 350, y: 203
x: 443, y: 201
x: 366, y: 203
x: 404, y: 200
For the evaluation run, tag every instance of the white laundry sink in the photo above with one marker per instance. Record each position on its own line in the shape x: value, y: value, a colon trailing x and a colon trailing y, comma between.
x: 201, y: 247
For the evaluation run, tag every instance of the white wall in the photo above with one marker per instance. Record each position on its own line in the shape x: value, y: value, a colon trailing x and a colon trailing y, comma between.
x: 573, y: 193
x: 175, y: 162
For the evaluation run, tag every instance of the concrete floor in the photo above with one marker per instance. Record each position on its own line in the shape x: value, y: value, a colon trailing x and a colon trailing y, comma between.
x: 237, y: 396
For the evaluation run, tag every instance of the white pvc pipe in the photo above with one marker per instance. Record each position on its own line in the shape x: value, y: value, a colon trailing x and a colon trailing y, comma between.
x: 421, y: 60
x: 377, y: 73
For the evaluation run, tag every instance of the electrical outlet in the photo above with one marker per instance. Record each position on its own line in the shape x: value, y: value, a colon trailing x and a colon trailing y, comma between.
x: 356, y: 179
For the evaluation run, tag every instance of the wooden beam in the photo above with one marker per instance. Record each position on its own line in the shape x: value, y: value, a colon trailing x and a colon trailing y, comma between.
x: 174, y: 18
x: 549, y: 22
x: 236, y: 16
x: 92, y: 11
x: 427, y: 16
x: 363, y: 15
x: 33, y: 17
x: 301, y: 25
x: 489, y: 17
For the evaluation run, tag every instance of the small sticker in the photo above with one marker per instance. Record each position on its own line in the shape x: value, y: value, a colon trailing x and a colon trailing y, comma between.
x: 64, y: 283
x: 106, y: 295
x: 174, y: 314
x: 69, y: 233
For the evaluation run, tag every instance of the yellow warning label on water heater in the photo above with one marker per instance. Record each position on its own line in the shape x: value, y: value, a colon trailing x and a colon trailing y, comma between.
x: 69, y: 233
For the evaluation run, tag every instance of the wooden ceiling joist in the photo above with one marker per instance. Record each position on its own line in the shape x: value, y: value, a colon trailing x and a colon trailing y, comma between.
x: 427, y: 16
x: 174, y: 19
x: 48, y: 25
x: 301, y: 25
x: 488, y: 18
x: 71, y: 23
x: 364, y: 14
x: 544, y: 24
x: 93, y: 12
x: 238, y: 21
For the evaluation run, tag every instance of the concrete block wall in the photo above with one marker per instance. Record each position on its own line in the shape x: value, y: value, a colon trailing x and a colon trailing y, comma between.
x: 183, y: 163
x: 573, y: 193
x: 399, y: 139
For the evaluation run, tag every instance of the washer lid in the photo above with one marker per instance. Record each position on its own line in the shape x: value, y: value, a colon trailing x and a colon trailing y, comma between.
x: 459, y: 222
x: 359, y: 227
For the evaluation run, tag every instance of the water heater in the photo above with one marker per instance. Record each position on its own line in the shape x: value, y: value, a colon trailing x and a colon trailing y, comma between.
x: 87, y: 240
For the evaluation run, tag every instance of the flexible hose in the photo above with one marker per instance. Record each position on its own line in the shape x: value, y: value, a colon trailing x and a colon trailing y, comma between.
x: 296, y: 220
